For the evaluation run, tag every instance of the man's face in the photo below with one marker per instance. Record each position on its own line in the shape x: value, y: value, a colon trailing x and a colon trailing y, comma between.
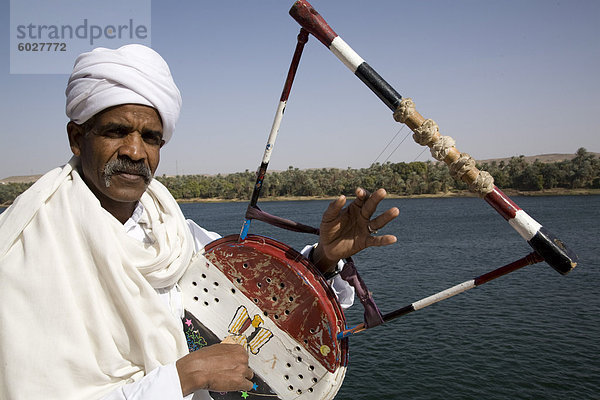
x: 119, y: 150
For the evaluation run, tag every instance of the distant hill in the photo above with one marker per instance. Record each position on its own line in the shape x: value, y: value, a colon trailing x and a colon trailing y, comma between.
x: 545, y: 158
x: 20, y: 179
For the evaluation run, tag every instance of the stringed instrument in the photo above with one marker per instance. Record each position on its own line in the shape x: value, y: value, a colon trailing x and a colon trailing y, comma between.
x: 273, y: 301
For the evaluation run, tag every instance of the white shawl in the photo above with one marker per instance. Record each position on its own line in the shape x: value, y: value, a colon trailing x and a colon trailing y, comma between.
x: 79, y: 313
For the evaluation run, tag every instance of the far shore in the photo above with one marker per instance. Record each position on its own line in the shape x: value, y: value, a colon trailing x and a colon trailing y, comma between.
x: 465, y: 193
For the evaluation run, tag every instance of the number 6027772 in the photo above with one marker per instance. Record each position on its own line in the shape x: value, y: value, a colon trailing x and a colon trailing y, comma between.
x: 42, y: 46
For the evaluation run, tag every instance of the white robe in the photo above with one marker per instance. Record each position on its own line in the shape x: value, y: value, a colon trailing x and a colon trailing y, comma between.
x: 95, y: 332
x: 79, y: 312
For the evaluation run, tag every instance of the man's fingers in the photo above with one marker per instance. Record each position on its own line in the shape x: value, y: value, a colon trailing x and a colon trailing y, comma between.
x: 245, y: 379
x: 361, y: 195
x: 334, y: 209
x: 231, y: 339
x: 383, y: 219
x: 370, y: 203
x: 221, y: 367
x: 365, y: 201
x: 248, y: 381
x: 376, y: 241
x: 378, y: 223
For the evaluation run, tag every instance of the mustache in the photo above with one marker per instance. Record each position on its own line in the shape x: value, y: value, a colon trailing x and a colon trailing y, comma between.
x: 127, y: 166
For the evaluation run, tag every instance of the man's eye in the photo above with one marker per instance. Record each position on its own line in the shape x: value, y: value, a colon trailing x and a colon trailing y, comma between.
x: 152, y: 138
x: 115, y: 133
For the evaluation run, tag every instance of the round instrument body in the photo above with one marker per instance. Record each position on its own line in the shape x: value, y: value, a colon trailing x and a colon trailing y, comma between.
x: 270, y: 298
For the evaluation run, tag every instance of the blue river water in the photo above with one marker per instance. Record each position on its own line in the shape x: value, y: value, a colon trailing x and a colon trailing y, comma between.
x: 532, y: 334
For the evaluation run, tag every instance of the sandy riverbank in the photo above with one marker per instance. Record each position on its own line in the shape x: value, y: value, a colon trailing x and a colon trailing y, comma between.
x: 509, y: 192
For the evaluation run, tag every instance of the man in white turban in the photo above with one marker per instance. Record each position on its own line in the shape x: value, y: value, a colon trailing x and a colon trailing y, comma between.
x: 91, y: 254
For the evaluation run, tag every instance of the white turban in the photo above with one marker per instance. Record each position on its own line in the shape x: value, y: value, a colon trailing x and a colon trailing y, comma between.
x: 132, y: 74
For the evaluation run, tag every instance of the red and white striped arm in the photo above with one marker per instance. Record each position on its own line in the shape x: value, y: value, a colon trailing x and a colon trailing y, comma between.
x: 529, y: 259
x: 285, y: 94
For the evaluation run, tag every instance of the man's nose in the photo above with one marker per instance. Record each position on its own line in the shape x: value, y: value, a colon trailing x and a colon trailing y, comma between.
x: 132, y: 146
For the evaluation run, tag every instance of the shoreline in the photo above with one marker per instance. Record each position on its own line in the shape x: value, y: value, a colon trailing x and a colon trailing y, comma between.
x: 465, y: 193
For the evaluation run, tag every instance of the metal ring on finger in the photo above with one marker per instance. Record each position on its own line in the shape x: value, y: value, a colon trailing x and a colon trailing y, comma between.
x: 371, y: 230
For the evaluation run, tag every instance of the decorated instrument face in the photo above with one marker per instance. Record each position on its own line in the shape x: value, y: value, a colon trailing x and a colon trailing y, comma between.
x: 267, y: 297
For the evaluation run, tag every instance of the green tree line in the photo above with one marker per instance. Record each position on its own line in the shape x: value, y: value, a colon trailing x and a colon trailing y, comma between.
x: 583, y: 171
x: 10, y: 191
x: 414, y: 178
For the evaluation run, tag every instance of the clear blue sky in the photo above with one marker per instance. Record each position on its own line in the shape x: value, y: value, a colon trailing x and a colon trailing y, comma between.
x: 502, y: 77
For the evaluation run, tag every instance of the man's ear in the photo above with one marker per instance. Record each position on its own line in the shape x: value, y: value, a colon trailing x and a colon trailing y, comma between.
x: 75, y: 133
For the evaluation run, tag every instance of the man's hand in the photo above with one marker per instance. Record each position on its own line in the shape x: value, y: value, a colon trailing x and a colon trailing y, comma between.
x: 221, y: 367
x: 346, y: 231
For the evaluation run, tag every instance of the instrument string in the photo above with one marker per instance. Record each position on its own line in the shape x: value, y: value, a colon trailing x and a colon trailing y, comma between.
x: 422, y: 151
x: 399, y: 144
x: 388, y: 144
x: 397, y: 147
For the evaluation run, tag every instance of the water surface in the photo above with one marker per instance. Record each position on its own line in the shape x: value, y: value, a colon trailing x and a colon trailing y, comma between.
x: 532, y: 334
